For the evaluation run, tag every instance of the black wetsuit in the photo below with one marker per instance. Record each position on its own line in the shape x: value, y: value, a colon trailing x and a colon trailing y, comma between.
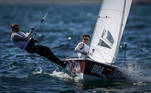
x: 38, y: 49
x: 43, y: 51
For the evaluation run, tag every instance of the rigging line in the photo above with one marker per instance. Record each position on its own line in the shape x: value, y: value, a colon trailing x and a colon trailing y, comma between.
x: 39, y: 26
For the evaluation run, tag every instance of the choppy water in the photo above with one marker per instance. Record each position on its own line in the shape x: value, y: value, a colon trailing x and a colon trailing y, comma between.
x: 23, y: 72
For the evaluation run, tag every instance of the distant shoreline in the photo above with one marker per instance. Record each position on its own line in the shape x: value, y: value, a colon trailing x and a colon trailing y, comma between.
x: 63, y: 1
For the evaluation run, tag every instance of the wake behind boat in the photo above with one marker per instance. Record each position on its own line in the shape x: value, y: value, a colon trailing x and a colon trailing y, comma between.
x: 104, y: 45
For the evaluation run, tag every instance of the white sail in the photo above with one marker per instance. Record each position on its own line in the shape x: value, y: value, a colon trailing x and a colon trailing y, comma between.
x: 108, y: 30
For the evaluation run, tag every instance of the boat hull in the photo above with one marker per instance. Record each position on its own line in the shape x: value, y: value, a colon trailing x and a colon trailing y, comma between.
x: 89, y: 70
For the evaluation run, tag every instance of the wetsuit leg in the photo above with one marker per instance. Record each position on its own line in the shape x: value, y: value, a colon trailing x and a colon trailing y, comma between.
x: 31, y: 46
x: 46, y: 52
x: 43, y: 51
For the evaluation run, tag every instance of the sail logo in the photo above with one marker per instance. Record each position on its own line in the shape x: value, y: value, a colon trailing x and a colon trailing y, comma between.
x: 97, y: 70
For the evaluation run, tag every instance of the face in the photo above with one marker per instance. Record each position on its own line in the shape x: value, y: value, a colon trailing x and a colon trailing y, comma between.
x: 86, y: 40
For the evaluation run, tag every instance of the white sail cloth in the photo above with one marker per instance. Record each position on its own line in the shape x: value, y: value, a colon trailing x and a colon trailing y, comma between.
x: 108, y: 30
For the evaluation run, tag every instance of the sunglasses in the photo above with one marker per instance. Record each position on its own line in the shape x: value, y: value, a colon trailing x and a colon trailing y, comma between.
x: 85, y: 39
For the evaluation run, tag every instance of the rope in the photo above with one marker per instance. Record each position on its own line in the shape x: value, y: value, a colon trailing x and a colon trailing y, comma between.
x: 39, y: 26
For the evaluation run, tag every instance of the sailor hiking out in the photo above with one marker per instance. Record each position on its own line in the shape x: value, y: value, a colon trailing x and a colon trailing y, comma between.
x: 82, y: 48
x: 26, y: 42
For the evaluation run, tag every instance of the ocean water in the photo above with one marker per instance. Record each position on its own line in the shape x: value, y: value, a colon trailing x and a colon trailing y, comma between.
x: 21, y: 72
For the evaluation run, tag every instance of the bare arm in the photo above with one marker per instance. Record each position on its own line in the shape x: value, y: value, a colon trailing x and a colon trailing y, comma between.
x: 30, y: 32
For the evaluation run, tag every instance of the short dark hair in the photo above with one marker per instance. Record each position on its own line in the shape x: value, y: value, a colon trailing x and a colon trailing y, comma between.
x: 86, y: 35
x: 14, y: 26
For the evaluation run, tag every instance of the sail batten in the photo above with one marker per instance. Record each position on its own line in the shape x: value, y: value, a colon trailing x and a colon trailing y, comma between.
x: 108, y: 30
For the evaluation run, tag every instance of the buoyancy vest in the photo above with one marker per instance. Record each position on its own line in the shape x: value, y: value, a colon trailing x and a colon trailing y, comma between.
x: 19, y: 43
x: 84, y: 48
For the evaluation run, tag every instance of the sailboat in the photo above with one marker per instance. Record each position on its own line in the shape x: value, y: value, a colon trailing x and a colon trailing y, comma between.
x: 104, y: 44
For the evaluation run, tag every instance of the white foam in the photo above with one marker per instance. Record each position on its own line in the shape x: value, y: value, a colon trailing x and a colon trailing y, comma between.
x: 61, y: 75
x: 38, y: 71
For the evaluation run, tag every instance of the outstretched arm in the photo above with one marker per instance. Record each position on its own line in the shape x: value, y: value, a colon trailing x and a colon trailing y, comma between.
x: 30, y: 32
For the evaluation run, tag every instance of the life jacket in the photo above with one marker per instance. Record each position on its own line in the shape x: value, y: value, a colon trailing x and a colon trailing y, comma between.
x: 84, y: 48
x: 20, y: 44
